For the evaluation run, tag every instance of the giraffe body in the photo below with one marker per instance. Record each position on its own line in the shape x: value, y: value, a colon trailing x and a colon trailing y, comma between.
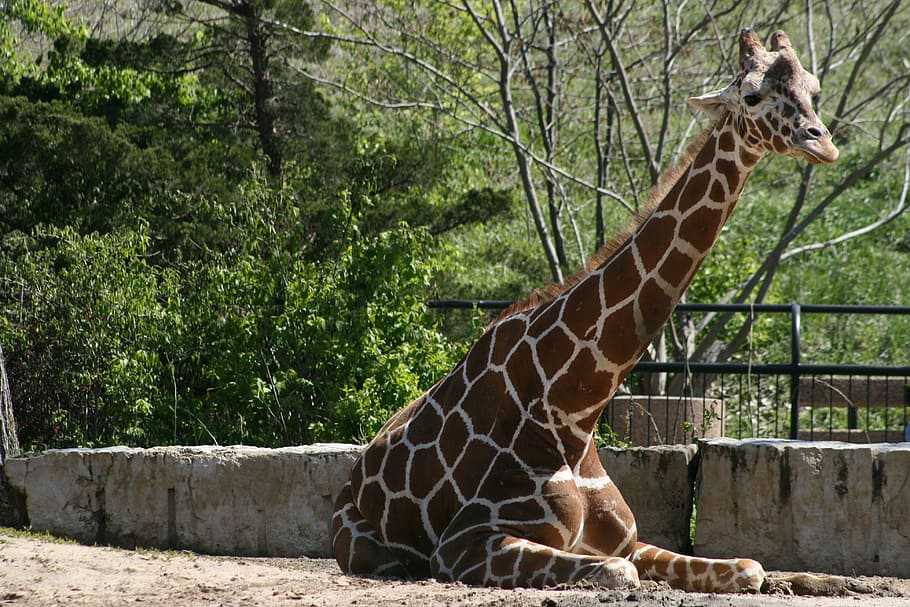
x: 492, y: 476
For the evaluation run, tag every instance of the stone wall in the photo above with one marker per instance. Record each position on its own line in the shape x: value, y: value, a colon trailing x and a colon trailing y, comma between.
x: 818, y: 506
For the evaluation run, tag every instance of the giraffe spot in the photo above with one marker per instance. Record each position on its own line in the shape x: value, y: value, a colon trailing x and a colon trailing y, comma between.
x: 788, y: 110
x: 619, y: 339
x: 679, y: 568
x: 478, y: 356
x: 772, y: 121
x: 553, y: 350
x: 546, y: 318
x: 655, y: 306
x: 785, y: 131
x: 523, y: 374
x: 507, y: 335
x: 572, y: 442
x: 425, y: 471
x: 764, y: 128
x: 694, y: 191
x: 621, y: 278
x: 507, y: 419
x: 454, y: 436
x: 507, y: 480
x: 503, y: 564
x: 473, y: 465
x: 729, y: 170
x: 701, y: 227
x: 726, y: 142
x: 524, y: 510
x: 403, y: 525
x: 395, y: 467
x: 561, y: 569
x: 582, y: 386
x: 653, y: 239
x: 587, y: 424
x: 723, y: 572
x: 583, y: 306
x: 372, y: 458
x: 424, y: 427
x: 357, y: 475
x: 676, y: 267
x: 706, y: 154
x: 481, y: 403
x: 717, y: 191
x: 662, y: 568
x: 534, y: 447
x: 672, y: 196
x: 699, y: 567
x: 449, y: 391
x: 534, y: 561
x: 779, y: 146
x: 747, y: 157
x: 442, y: 507
x: 342, y: 547
x: 372, y: 501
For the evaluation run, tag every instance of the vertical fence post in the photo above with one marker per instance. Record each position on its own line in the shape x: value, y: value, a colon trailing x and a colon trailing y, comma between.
x: 794, y: 370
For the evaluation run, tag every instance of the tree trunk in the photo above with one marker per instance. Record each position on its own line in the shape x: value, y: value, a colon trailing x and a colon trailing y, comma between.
x: 262, y: 91
x: 9, y: 443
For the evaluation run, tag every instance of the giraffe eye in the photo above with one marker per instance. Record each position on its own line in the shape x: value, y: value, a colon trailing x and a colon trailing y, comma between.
x: 752, y: 99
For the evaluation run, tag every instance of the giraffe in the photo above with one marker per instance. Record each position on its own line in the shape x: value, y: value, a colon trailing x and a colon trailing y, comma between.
x: 492, y: 476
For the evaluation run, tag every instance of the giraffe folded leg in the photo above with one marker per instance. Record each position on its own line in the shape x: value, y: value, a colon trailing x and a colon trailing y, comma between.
x: 695, y: 573
x: 358, y: 548
x: 490, y: 557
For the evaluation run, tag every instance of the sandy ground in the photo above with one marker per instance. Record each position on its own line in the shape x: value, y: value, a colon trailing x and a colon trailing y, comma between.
x: 41, y: 571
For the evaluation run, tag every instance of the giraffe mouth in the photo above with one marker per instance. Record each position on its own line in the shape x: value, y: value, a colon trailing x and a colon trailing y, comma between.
x: 817, y: 151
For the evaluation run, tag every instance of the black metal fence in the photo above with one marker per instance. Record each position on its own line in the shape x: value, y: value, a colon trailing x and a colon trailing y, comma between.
x: 674, y: 401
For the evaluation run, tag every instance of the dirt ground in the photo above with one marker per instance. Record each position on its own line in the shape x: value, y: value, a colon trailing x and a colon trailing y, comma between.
x: 39, y: 571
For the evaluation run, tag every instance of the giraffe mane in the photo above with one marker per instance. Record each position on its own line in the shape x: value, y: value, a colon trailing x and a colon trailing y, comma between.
x: 658, y: 192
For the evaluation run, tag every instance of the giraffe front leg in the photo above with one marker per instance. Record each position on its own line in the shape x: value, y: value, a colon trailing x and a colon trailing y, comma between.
x: 488, y: 556
x: 696, y: 574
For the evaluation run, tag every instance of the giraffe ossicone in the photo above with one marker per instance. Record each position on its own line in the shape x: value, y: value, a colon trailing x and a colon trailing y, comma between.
x: 492, y: 476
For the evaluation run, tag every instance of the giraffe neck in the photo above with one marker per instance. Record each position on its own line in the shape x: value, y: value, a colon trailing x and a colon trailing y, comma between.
x: 620, y: 307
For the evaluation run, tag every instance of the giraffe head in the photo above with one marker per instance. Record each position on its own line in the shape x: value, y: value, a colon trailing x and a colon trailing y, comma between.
x: 771, y: 101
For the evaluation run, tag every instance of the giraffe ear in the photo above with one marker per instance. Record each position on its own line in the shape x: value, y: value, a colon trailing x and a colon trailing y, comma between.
x: 714, y: 103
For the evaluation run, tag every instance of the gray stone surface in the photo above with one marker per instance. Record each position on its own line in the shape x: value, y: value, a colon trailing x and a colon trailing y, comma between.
x: 220, y: 500
x: 831, y: 507
x: 655, y: 481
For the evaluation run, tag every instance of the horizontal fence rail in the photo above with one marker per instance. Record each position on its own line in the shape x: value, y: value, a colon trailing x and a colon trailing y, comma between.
x: 795, y: 399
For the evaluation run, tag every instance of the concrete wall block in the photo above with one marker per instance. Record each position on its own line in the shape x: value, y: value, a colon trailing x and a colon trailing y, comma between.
x: 221, y: 500
x: 655, y: 481
x: 818, y: 506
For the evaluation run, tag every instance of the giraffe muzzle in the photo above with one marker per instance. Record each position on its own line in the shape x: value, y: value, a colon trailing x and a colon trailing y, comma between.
x: 816, y: 146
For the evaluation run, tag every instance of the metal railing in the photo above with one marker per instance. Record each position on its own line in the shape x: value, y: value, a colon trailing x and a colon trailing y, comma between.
x: 852, y: 402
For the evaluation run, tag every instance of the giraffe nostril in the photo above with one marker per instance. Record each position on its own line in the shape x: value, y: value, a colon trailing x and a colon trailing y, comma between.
x: 814, y: 133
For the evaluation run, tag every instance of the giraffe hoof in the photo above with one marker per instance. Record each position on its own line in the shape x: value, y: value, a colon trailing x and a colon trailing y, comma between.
x: 750, y: 575
x: 618, y: 573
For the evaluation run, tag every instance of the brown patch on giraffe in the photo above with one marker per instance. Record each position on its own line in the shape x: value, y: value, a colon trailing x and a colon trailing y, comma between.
x: 507, y: 335
x: 705, y: 155
x: 478, y: 357
x: 765, y: 129
x: 425, y: 426
x: 607, y: 520
x: 425, y: 471
x: 395, y: 467
x: 655, y: 237
x: 342, y: 546
x: 481, y: 403
x: 679, y: 568
x: 562, y: 569
x: 695, y: 190
x: 357, y: 474
x: 701, y: 227
x: 729, y: 170
x: 581, y: 386
x: 726, y: 143
x: 582, y: 308
x: 655, y: 306
x: 507, y: 481
x: 372, y: 458
x: 453, y: 438
x: 748, y: 158
x: 507, y: 419
x: 554, y: 350
x: 621, y: 279
x: 717, y: 191
x: 450, y: 389
x: 534, y: 447
x: 476, y: 460
x: 502, y: 565
x: 699, y: 567
x: 402, y: 525
x: 572, y: 443
x: 525, y: 510
x: 785, y: 131
x: 619, y: 341
x: 779, y: 146
x: 590, y: 466
x: 523, y: 374
x: 675, y: 267
x: 442, y: 507
x: 372, y: 501
x: 545, y: 320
